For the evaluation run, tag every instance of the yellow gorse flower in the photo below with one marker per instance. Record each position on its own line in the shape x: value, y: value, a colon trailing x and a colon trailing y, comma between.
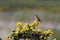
x: 19, y: 24
x: 35, y: 23
x: 48, y: 32
x: 7, y: 36
x: 22, y: 31
x: 18, y: 30
x: 26, y: 26
x: 39, y: 30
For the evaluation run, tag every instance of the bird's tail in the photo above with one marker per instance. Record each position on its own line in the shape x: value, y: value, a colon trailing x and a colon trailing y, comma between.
x: 37, y: 18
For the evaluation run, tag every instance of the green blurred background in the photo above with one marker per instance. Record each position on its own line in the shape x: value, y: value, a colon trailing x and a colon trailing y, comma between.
x: 12, y: 11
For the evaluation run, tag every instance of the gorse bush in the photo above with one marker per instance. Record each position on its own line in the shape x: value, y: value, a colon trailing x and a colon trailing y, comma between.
x: 29, y: 32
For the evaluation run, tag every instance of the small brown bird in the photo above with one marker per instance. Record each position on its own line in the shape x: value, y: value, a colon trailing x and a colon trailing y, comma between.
x: 37, y: 17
